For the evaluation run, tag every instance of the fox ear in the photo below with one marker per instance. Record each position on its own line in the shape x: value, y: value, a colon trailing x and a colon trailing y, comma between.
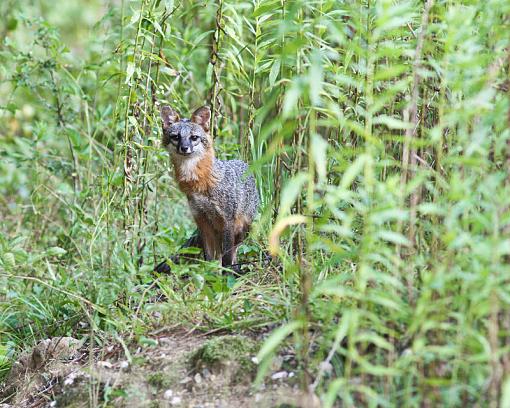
x: 169, y: 116
x: 202, y: 117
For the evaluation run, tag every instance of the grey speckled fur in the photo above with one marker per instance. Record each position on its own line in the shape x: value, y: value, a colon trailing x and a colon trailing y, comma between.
x: 234, y: 194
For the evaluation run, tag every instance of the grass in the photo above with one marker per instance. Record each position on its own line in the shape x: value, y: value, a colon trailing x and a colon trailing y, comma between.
x: 378, y: 134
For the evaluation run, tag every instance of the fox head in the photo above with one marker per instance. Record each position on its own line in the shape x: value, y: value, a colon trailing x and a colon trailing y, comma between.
x: 186, y: 137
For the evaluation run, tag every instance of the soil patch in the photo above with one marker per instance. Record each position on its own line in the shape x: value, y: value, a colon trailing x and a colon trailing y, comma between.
x: 172, y: 369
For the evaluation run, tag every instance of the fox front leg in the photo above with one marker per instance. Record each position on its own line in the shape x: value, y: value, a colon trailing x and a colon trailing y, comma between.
x: 228, y: 246
x: 209, y: 239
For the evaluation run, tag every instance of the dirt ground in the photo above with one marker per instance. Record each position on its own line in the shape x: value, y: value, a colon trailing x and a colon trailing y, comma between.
x: 173, y: 368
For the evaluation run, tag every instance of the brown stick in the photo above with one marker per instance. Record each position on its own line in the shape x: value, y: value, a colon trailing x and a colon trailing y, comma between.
x: 409, y: 152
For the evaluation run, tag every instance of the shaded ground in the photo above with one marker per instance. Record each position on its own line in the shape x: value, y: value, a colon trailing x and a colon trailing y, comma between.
x: 174, y: 368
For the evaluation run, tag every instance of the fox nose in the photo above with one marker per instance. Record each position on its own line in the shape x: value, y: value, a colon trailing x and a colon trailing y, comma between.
x: 185, y: 149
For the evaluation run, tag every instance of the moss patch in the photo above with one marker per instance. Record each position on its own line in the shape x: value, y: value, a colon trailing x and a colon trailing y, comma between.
x: 160, y: 380
x: 231, y: 353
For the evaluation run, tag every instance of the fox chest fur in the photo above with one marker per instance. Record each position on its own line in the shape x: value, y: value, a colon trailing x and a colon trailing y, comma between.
x: 201, y: 181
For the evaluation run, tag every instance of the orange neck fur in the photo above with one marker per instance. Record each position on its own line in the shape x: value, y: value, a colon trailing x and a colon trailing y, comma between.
x: 202, y: 178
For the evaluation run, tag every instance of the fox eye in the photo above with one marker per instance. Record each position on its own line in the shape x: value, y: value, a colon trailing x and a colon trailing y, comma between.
x: 174, y: 136
x: 194, y: 138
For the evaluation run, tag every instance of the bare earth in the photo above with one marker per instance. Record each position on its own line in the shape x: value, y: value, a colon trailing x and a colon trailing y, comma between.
x: 174, y: 369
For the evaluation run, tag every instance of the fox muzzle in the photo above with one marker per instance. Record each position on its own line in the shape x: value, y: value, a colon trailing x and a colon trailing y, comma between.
x: 185, y: 148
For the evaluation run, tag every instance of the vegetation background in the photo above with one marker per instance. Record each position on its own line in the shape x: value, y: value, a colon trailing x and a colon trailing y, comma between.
x: 379, y: 135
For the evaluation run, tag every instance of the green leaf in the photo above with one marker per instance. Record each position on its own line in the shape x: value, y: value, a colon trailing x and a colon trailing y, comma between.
x: 353, y: 171
x: 12, y: 23
x: 315, y: 78
x: 56, y: 251
x: 135, y: 17
x: 291, y: 192
x: 130, y: 70
x: 319, y: 147
x: 393, y: 237
x: 275, y: 71
x: 381, y: 217
x: 505, y: 393
x: 334, y: 388
x: 391, y: 122
x: 9, y: 260
x: 11, y: 107
x: 264, y: 8
x: 291, y: 99
x: 147, y: 342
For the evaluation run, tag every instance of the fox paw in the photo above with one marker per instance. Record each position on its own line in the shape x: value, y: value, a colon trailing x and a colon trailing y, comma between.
x: 235, y: 269
x: 162, y: 267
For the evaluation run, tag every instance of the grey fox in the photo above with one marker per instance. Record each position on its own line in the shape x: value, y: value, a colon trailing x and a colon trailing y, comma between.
x: 222, y: 196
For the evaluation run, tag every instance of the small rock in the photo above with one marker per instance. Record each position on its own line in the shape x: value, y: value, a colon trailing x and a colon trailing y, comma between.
x: 70, y: 378
x: 326, y: 367
x: 356, y: 381
x: 291, y: 374
x: 104, y: 364
x: 166, y: 341
x: 279, y: 375
x: 276, y: 364
x: 168, y: 394
x: 254, y: 360
x: 185, y: 380
x: 198, y: 378
x: 175, y: 401
x: 288, y: 357
x: 124, y: 364
x: 206, y: 373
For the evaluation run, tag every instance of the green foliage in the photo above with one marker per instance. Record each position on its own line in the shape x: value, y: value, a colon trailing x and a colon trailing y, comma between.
x: 384, y: 125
